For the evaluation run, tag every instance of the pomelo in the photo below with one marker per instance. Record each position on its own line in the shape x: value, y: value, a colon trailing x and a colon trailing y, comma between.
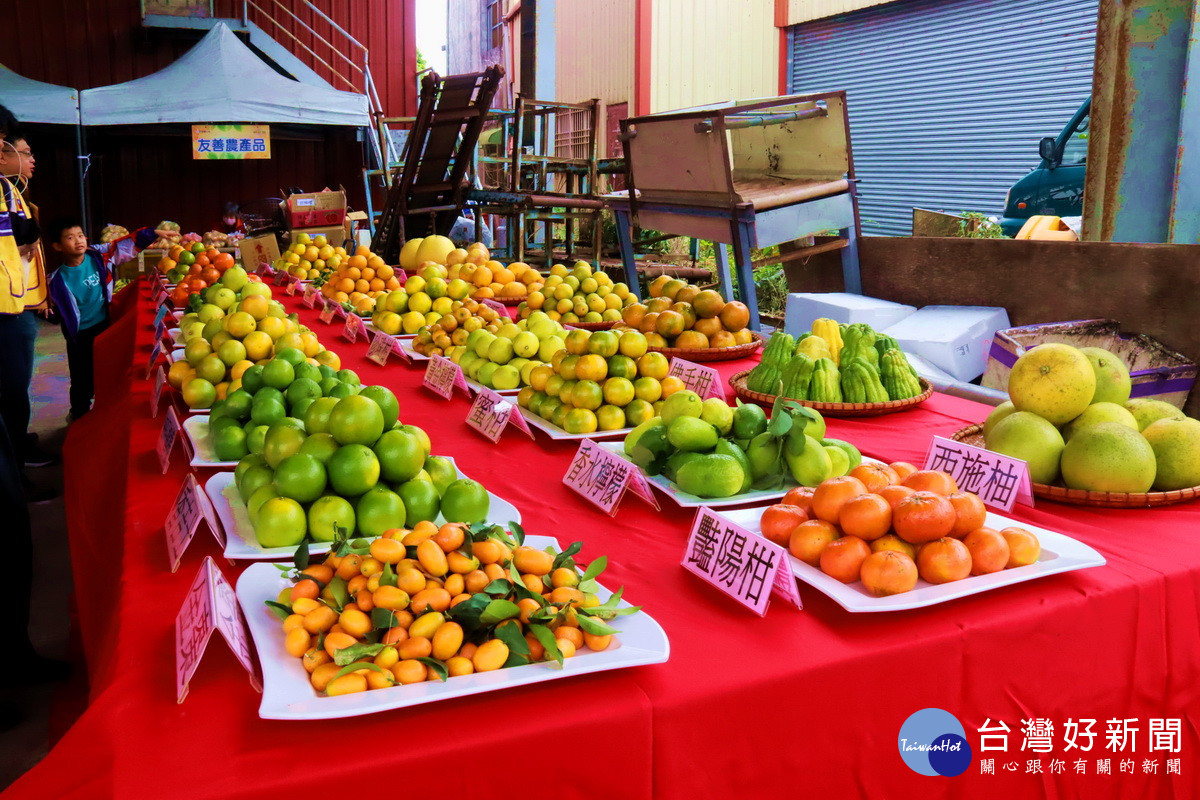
x: 998, y: 413
x: 1147, y: 411
x: 1097, y: 413
x: 711, y: 475
x: 1176, y: 445
x: 1054, y: 381
x: 329, y: 513
x: 378, y: 510
x: 1032, y: 439
x: 1109, y: 457
x: 281, y: 522
x: 465, y: 500
x: 1112, y: 375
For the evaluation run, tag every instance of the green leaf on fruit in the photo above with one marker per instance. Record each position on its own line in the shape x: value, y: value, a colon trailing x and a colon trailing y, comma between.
x: 546, y: 637
x: 589, y: 586
x: 595, y: 626
x: 438, y: 667
x: 511, y: 636
x: 388, y: 576
x: 383, y: 618
x: 498, y: 611
x: 279, y: 609
x: 337, y: 588
x: 301, y: 557
x: 597, y: 566
x: 354, y: 652
x: 564, y: 558
x: 515, y: 660
x: 356, y: 666
x: 468, y: 612
x: 498, y: 588
x: 517, y: 532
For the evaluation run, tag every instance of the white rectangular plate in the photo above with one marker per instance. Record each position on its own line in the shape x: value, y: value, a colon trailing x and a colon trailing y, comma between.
x: 685, y: 500
x: 177, y: 336
x: 239, y: 533
x: 287, y: 693
x: 554, y: 432
x: 196, y: 428
x: 1060, y: 553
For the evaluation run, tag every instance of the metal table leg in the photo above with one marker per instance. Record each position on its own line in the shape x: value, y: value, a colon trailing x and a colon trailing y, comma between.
x: 726, y: 283
x: 742, y: 231
x: 625, y: 238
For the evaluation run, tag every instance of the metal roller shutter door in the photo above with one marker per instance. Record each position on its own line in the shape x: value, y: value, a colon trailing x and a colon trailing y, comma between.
x: 947, y: 98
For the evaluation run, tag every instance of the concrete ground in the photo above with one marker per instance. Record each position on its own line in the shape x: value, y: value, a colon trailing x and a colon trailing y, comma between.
x: 24, y: 744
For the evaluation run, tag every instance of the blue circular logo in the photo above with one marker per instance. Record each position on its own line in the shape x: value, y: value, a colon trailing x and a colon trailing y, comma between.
x: 933, y: 742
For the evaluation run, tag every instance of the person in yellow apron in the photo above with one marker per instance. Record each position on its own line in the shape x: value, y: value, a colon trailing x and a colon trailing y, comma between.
x: 23, y: 291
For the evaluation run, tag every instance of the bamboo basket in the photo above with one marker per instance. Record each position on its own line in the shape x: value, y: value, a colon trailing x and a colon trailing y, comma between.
x: 738, y: 382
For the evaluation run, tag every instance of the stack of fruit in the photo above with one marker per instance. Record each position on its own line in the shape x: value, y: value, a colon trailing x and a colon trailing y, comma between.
x: 492, y: 338
x: 231, y: 330
x: 169, y: 236
x: 835, y: 363
x: 1069, y: 416
x: 511, y: 284
x: 320, y: 452
x: 578, y: 296
x: 359, y: 281
x: 711, y: 450
x: 678, y: 314
x: 436, y: 603
x: 888, y: 525
x: 597, y: 380
x: 311, y: 258
x: 423, y: 300
x: 194, y: 269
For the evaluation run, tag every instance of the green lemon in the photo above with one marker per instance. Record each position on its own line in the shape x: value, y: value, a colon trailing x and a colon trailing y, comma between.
x: 465, y: 500
x: 261, y: 495
x: 252, y: 460
x: 316, y: 417
x: 401, y: 456
x: 300, y: 477
x: 441, y: 471
x: 387, y: 402
x: 291, y: 355
x: 281, y: 522
x: 378, y: 510
x: 320, y: 446
x: 256, y: 439
x: 229, y: 442
x: 420, y: 501
x: 278, y: 373
x: 352, y: 470
x: 329, y: 513
x: 266, y: 411
x: 301, y: 389
x: 356, y: 420
x: 281, y: 441
x: 253, y: 478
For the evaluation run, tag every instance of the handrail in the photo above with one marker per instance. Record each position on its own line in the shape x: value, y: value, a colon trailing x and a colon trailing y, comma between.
x: 333, y: 70
x: 335, y: 26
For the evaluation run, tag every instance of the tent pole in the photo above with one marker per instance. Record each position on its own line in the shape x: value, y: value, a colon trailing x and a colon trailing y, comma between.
x: 83, y: 205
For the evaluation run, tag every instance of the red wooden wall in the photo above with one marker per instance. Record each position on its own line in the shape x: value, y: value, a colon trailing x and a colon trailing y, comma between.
x: 142, y: 174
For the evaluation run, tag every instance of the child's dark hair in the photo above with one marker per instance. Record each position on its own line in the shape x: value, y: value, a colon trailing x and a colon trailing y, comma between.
x: 55, y: 229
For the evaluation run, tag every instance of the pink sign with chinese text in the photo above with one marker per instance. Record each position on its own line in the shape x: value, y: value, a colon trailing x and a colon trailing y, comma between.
x: 166, y: 439
x: 354, y: 328
x: 210, y: 605
x: 160, y: 378
x: 381, y: 347
x: 328, y: 311
x: 310, y: 296
x: 704, y: 381
x: 490, y: 414
x: 602, y: 477
x: 1000, y: 481
x: 183, y: 520
x: 737, y: 562
x: 443, y: 376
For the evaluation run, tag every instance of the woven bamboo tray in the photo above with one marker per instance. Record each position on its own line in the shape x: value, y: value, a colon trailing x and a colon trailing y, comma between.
x: 973, y: 435
x: 713, y: 353
x: 505, y: 301
x: 738, y: 382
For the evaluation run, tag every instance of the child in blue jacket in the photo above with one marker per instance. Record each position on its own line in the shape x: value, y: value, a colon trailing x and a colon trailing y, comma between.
x: 81, y: 289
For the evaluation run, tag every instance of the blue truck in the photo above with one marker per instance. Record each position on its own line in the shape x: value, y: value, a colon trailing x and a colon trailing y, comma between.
x: 1056, y: 185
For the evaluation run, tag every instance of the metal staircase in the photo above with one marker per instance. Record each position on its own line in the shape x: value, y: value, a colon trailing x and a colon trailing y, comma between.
x: 261, y: 21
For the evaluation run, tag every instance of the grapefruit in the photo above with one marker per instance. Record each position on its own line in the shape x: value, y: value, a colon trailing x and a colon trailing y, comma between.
x: 356, y: 420
x: 1097, y: 413
x: 465, y: 500
x: 1054, y: 381
x: 1176, y: 445
x: 379, y: 510
x: 1112, y: 376
x: 300, y: 477
x: 329, y: 513
x: 1147, y: 411
x: 998, y: 413
x: 281, y: 522
x: 1109, y: 457
x: 1032, y: 439
x: 352, y: 470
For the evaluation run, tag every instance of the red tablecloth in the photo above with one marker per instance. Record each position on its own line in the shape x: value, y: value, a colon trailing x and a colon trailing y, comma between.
x: 799, y: 703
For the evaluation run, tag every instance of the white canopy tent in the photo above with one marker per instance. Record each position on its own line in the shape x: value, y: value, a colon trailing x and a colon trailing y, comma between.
x: 35, y: 101
x: 220, y: 80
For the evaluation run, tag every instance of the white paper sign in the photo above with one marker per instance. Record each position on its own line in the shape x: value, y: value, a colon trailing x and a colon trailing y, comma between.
x: 602, y: 477
x: 210, y: 605
x: 742, y: 565
x: 490, y: 414
x: 1000, y: 481
x: 166, y: 439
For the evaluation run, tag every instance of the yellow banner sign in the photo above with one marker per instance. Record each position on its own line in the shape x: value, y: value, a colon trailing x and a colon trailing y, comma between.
x: 231, y: 141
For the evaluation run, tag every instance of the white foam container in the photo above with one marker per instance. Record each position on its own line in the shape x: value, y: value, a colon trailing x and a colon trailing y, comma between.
x: 955, y: 339
x: 804, y: 307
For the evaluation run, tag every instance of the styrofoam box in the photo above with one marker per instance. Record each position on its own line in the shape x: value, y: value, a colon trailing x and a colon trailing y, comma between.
x: 953, y: 338
x: 803, y: 308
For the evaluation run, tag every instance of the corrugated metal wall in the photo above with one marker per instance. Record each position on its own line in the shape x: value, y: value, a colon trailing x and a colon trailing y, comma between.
x: 594, y: 50
x: 797, y: 11
x: 706, y: 51
x: 948, y: 98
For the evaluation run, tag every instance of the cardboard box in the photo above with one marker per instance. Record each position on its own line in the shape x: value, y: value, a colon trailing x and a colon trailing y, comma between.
x: 803, y: 308
x: 258, y: 250
x: 315, y: 209
x: 1156, y: 372
x: 336, y: 234
x: 953, y: 338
